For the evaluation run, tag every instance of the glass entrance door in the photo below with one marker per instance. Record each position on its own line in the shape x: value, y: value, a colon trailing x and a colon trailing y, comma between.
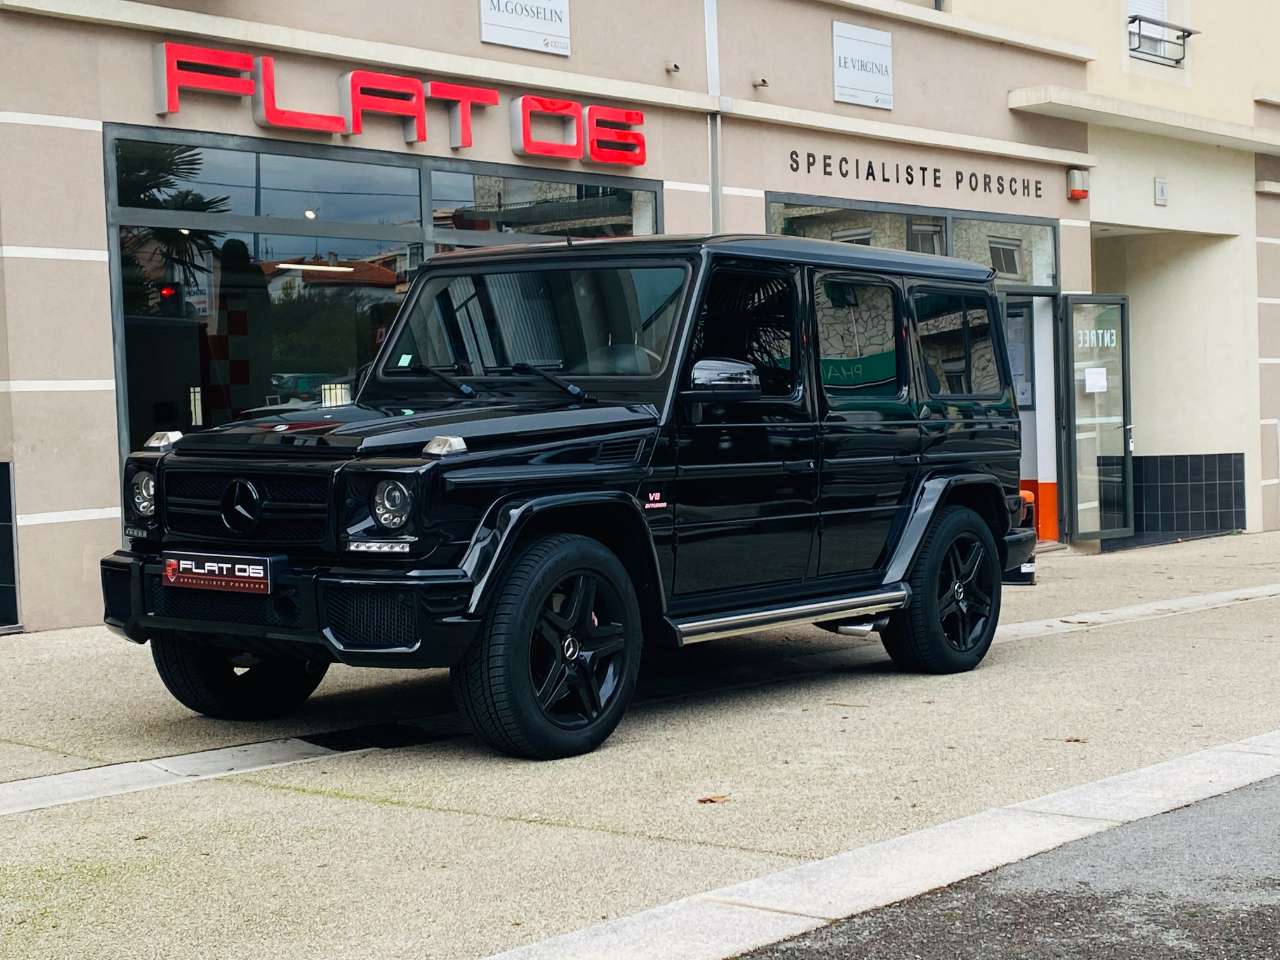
x: 1098, y: 444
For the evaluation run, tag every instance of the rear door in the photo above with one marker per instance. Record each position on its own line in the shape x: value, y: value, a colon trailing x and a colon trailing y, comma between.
x: 869, y: 435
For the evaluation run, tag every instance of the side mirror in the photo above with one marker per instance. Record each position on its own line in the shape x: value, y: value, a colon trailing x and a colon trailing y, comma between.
x: 718, y: 380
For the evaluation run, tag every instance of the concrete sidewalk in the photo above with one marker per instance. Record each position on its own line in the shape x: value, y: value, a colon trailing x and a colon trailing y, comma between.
x: 744, y: 757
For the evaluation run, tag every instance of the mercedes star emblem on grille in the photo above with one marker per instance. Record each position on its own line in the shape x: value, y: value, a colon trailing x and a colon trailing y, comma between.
x: 241, y: 506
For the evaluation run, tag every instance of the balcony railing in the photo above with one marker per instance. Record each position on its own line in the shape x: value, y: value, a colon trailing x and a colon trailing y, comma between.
x: 1158, y: 41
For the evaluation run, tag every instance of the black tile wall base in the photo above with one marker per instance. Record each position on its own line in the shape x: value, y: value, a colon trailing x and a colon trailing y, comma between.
x: 1185, y: 495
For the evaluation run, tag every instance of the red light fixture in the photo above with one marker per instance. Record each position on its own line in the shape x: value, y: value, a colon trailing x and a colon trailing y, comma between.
x: 168, y: 291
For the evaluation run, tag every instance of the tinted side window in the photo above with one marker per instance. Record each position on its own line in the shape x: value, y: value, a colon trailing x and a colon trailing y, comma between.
x: 956, y: 345
x: 750, y: 316
x: 984, y: 372
x: 857, y: 338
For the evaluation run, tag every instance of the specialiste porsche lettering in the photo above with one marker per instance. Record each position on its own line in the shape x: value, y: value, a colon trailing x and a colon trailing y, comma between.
x: 921, y: 175
x: 540, y: 126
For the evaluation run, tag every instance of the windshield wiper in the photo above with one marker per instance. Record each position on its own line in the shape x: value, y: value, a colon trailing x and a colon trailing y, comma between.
x: 457, y: 386
x: 572, y: 389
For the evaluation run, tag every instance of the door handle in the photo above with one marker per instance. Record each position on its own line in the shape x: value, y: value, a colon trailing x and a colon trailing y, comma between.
x: 799, y: 466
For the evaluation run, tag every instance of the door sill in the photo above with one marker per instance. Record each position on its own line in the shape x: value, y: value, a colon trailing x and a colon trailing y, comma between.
x: 695, y: 630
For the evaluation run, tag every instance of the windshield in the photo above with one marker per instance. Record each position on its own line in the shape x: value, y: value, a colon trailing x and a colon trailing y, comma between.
x: 599, y: 322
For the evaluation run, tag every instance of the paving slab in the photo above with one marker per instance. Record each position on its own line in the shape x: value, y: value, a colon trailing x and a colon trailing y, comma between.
x: 231, y: 870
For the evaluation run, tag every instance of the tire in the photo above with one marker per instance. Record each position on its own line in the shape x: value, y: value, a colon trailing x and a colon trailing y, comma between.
x: 555, y: 667
x: 226, y: 685
x: 949, y: 628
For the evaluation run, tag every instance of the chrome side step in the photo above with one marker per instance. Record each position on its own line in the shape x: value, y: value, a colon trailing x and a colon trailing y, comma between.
x: 845, y: 608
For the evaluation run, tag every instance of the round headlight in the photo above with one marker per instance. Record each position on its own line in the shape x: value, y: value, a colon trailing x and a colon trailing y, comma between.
x: 142, y: 493
x: 391, y: 504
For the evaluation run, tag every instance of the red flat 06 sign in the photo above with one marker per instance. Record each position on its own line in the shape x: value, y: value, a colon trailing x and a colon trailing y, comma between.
x: 540, y: 126
x: 203, y: 571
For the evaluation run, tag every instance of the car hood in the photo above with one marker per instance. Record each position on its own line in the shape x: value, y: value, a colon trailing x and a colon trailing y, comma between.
x: 397, y: 430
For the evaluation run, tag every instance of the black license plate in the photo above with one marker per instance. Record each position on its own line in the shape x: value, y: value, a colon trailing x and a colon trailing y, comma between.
x: 215, y: 571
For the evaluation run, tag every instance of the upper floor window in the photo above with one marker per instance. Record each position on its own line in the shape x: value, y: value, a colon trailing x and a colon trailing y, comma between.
x: 1153, y: 37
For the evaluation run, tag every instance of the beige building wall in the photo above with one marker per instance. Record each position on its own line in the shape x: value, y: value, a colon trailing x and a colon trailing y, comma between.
x: 1228, y: 62
x: 59, y: 383
x: 1268, y: 221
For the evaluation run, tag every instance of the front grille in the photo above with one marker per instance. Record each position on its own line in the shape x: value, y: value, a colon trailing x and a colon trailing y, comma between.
x: 295, y: 509
x: 371, y: 619
x: 182, y: 603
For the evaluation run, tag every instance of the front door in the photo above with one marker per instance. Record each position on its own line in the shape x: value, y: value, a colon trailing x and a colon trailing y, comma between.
x: 1097, y: 440
x: 746, y: 478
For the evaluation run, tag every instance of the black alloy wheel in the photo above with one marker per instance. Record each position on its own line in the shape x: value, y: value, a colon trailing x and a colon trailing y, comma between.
x: 555, y: 666
x: 955, y: 597
x: 964, y: 593
x: 220, y: 682
x: 578, y: 656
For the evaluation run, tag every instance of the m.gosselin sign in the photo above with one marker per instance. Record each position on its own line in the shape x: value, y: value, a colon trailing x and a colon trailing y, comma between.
x: 925, y: 177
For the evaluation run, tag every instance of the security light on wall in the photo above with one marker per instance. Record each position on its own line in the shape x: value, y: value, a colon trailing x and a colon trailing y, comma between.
x: 760, y: 82
x: 671, y: 66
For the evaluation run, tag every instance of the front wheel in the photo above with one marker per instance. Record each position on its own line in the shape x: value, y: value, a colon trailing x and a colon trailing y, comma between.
x: 555, y: 667
x: 228, y: 685
x: 955, y: 598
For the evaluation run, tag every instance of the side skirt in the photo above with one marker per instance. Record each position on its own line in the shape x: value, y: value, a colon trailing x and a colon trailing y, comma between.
x: 882, y: 600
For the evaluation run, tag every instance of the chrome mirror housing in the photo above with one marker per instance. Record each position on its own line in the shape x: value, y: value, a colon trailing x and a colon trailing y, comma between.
x: 719, y: 380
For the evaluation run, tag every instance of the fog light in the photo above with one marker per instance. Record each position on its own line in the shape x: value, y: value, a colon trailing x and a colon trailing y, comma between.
x: 142, y: 493
x: 378, y: 546
x: 391, y: 504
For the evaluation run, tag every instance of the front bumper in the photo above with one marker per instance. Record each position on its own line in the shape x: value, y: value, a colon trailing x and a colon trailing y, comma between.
x: 387, y: 618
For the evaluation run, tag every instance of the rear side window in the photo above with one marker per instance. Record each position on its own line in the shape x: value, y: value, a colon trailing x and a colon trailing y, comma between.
x: 857, y: 338
x: 957, y: 345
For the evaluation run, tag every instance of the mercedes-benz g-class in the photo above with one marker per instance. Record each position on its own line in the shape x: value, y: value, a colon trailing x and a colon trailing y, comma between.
x: 564, y: 453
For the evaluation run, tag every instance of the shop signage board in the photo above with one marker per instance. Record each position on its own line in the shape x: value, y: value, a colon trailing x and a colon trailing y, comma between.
x: 862, y: 65
x: 541, y: 126
x: 541, y: 25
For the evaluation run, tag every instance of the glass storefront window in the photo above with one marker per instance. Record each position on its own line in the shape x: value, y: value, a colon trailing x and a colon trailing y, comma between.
x: 221, y: 324
x: 289, y: 306
x: 478, y: 202
x: 169, y: 176
x: 1021, y: 253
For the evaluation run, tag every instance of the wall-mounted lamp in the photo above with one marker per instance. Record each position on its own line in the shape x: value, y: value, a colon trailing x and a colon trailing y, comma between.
x: 760, y: 82
x: 671, y: 66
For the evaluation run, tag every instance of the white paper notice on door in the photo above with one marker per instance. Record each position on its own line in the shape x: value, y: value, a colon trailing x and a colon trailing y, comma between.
x: 1095, y: 379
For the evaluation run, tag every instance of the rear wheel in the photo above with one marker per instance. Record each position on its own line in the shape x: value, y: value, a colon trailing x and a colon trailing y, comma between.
x: 228, y: 685
x: 955, y: 598
x: 555, y: 667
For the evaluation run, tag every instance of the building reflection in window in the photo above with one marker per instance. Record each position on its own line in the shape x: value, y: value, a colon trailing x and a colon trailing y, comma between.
x: 215, y: 330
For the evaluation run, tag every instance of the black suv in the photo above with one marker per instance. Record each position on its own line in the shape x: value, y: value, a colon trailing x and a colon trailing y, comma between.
x: 566, y: 451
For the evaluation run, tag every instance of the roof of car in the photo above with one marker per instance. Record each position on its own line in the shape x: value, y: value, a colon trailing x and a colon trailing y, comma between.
x: 792, y: 249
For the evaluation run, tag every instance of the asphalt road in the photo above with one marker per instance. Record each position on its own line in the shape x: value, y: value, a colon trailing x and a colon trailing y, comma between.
x: 744, y: 757
x: 1200, y: 882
